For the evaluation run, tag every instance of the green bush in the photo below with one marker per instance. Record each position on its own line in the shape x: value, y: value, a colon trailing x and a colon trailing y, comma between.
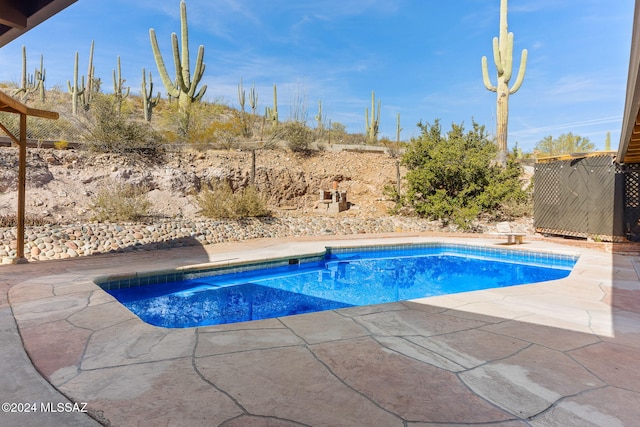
x: 453, y: 177
x: 222, y: 202
x: 297, y: 135
x: 118, y: 201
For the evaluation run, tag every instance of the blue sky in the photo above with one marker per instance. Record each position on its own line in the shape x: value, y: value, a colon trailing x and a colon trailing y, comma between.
x: 421, y: 57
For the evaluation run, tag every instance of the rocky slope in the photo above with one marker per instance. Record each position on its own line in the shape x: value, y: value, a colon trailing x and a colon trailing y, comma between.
x: 61, y: 184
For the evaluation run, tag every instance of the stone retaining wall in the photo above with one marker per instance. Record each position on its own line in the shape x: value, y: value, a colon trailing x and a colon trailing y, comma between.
x: 57, y: 242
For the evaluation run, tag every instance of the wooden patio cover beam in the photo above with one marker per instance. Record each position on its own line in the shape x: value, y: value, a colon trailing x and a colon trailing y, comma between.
x: 20, y: 16
x: 11, y: 16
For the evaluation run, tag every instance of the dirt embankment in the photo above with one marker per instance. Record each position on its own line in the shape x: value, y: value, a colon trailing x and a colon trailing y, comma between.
x: 61, y: 185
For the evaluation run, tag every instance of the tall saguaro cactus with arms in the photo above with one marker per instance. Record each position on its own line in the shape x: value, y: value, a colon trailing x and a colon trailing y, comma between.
x: 118, y: 87
x: 503, y: 59
x: 372, y: 125
x: 184, y: 86
x: 148, y: 102
x: 77, y: 90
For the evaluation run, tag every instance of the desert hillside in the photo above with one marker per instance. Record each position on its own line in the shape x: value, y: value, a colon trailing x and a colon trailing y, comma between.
x: 61, y: 184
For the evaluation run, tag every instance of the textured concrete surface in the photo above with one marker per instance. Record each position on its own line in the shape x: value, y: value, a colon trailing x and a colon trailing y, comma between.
x: 563, y: 352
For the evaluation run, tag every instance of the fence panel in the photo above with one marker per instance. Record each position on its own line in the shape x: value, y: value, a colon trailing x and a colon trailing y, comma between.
x: 583, y: 197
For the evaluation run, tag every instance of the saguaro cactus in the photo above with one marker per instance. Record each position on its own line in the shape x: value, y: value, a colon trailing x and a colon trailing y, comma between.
x: 503, y: 58
x: 90, y: 89
x: 241, y: 95
x: 272, y: 113
x: 148, y: 102
x: 373, y: 124
x: 253, y: 99
x: 30, y: 83
x: 246, y: 128
x: 24, y: 89
x: 39, y: 77
x: 184, y: 87
x: 118, y: 86
x: 76, y: 90
x: 319, y: 118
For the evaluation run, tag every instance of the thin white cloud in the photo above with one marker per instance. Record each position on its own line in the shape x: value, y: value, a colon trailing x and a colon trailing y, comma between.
x: 570, y: 125
x: 533, y: 6
x: 331, y: 10
x: 577, y: 89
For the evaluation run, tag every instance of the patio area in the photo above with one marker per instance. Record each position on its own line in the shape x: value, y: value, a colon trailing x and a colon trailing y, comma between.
x: 555, y: 353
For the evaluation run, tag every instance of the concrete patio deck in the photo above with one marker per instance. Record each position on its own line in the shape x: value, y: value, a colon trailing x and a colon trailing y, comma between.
x: 560, y: 353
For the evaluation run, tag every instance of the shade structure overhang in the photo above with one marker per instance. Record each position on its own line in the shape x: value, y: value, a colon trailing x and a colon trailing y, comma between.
x: 629, y: 147
x: 11, y: 105
x: 18, y: 17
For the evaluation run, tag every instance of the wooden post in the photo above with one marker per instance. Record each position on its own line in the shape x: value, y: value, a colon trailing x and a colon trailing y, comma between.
x: 22, y: 182
x: 253, y: 167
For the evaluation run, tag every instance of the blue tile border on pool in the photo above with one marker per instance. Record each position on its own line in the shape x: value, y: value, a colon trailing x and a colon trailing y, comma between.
x: 547, y: 258
x: 159, y: 277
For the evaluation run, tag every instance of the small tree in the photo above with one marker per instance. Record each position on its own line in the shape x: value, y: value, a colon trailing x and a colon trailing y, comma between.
x: 566, y: 143
x: 454, y: 176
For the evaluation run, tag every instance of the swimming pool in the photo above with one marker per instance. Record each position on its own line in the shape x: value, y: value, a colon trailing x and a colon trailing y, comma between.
x: 338, y: 278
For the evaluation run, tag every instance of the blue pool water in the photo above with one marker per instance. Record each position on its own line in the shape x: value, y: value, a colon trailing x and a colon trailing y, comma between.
x: 341, y: 278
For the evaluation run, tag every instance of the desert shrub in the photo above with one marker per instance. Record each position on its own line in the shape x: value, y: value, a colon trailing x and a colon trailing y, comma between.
x: 297, y: 135
x: 223, y: 134
x: 192, y: 125
x: 354, y: 139
x: 393, y: 148
x: 453, y: 177
x: 222, y: 202
x: 112, y: 131
x: 248, y: 123
x: 117, y: 201
x: 61, y: 145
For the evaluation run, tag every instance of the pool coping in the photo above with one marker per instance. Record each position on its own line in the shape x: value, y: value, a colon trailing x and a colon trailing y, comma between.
x: 585, y: 327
